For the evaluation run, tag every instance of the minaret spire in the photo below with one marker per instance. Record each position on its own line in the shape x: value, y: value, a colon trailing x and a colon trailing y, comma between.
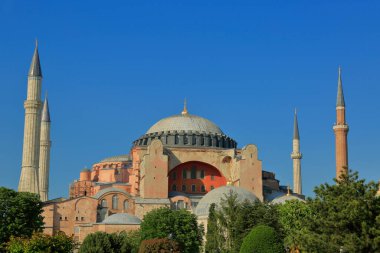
x: 341, y: 130
x: 340, y: 96
x: 184, y: 112
x: 296, y: 156
x: 35, y: 67
x: 296, y: 134
x: 45, y: 144
x: 32, y: 128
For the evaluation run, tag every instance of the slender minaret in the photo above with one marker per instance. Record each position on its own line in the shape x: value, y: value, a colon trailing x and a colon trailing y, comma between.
x: 45, y: 143
x: 296, y: 156
x: 340, y: 130
x: 31, y: 147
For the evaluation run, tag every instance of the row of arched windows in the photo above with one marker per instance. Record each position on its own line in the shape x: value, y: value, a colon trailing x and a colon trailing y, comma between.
x: 115, y: 203
x: 193, y: 188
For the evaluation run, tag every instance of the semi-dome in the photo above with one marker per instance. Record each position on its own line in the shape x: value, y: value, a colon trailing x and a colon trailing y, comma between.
x: 215, y: 196
x: 185, y: 122
x: 122, y: 219
x: 286, y: 197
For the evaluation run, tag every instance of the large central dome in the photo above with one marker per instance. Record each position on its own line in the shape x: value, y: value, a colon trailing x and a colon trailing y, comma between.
x: 185, y: 122
x: 186, y: 130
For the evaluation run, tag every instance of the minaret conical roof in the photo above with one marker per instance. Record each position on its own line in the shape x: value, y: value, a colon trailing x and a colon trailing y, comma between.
x: 296, y: 134
x: 340, y: 96
x: 45, y: 111
x: 35, y: 67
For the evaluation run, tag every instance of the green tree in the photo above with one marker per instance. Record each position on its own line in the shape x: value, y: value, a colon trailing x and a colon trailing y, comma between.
x: 262, y: 239
x: 181, y: 226
x: 20, y: 214
x: 345, y: 216
x: 163, y: 245
x: 99, y: 242
x: 232, y: 220
x: 123, y: 242
x: 39, y: 242
x: 213, y: 237
x: 293, y: 217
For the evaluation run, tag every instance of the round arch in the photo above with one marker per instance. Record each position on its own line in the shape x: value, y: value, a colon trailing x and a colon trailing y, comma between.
x: 195, y: 177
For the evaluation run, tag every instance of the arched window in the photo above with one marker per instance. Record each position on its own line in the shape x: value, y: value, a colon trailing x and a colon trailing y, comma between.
x: 185, y: 139
x: 203, y: 189
x: 194, y: 141
x: 176, y: 139
x: 126, y: 205
x: 174, y: 187
x: 115, y: 200
x: 184, y: 188
x: 104, y: 203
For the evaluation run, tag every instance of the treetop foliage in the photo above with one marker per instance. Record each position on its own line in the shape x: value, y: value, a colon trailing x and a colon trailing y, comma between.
x: 20, y: 214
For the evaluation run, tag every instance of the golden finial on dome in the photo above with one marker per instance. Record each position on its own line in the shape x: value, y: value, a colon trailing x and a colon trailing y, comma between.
x: 184, y: 112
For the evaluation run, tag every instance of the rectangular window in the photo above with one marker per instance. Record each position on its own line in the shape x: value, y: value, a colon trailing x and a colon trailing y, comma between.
x: 193, y: 172
x: 202, y: 174
x: 193, y: 189
x: 174, y: 175
x: 184, y: 174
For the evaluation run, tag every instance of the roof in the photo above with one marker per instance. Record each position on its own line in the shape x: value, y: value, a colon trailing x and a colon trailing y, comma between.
x: 340, y: 95
x: 296, y: 134
x: 45, y: 111
x: 215, y: 196
x: 122, y: 219
x: 119, y: 158
x: 107, y: 190
x: 185, y: 122
x: 35, y: 67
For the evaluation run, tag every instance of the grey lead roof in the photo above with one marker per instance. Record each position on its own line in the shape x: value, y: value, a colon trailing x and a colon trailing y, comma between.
x: 185, y: 122
x: 35, y: 67
x: 45, y: 111
x: 340, y: 96
x: 296, y: 134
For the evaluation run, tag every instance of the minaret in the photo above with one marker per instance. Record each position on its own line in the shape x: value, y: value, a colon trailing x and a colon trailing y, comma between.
x: 296, y: 156
x: 31, y: 147
x: 340, y: 130
x: 45, y: 143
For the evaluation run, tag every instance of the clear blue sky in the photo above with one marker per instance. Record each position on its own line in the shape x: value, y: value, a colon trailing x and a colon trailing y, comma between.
x: 112, y: 69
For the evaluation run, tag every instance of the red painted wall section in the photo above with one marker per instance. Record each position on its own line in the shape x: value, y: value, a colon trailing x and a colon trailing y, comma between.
x: 195, y: 178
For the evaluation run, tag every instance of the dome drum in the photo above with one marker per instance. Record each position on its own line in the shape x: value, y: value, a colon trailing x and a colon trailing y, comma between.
x: 187, y: 139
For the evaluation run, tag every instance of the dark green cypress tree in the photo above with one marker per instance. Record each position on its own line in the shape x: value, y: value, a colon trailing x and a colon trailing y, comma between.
x: 212, y: 236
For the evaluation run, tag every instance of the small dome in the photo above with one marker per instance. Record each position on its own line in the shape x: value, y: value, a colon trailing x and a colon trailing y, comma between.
x: 185, y: 122
x: 122, y: 219
x: 217, y: 194
x: 284, y: 198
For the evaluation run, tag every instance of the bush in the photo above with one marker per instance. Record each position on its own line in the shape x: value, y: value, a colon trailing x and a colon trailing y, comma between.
x: 261, y: 239
x: 181, y: 226
x: 111, y: 243
x: 59, y: 243
x: 159, y: 245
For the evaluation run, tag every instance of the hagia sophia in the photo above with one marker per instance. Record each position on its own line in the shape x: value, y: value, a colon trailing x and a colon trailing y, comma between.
x: 183, y: 161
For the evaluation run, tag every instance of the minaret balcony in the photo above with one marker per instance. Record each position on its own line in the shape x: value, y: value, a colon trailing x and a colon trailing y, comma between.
x: 296, y: 155
x: 340, y: 127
